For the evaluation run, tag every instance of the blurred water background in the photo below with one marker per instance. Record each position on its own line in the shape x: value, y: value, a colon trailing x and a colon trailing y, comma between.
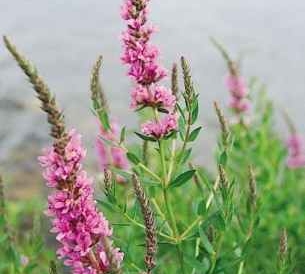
x: 64, y: 37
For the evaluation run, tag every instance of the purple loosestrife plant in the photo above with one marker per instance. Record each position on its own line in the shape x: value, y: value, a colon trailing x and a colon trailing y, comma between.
x: 83, y: 232
x: 192, y: 221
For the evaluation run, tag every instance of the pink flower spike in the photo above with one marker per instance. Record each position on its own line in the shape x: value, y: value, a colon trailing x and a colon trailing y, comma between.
x: 237, y: 86
x: 296, y: 151
x: 79, y: 226
x: 139, y: 54
x: 107, y: 155
x: 240, y: 105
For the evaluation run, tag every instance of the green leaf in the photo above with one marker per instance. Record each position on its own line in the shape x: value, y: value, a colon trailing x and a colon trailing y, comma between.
x: 181, y: 113
x: 30, y: 268
x: 123, y: 135
x: 106, y: 205
x: 201, y: 210
x: 195, y: 112
x: 217, y: 220
x: 121, y: 172
x: 104, y: 119
x: 145, y: 138
x: 200, y: 267
x: 185, y: 156
x: 133, y: 158
x: 205, y: 242
x: 182, y: 179
x: 223, y: 158
x: 194, y: 134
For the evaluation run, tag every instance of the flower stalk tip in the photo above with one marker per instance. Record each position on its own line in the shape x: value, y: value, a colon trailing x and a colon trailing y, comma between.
x: 223, y: 125
x: 97, y: 92
x: 48, y: 103
x: 174, y: 80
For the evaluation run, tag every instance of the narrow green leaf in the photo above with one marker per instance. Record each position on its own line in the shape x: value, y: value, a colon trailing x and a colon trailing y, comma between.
x: 133, y: 158
x: 205, y: 242
x: 201, y: 210
x: 106, y: 205
x: 195, y: 112
x: 186, y: 155
x: 145, y: 138
x: 182, y: 179
x: 194, y: 134
x: 223, y: 158
x: 123, y: 135
x: 104, y: 119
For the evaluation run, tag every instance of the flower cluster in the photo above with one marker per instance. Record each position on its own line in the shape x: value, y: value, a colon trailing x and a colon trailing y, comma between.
x: 144, y: 69
x: 80, y: 228
x: 238, y: 90
x: 296, y: 151
x: 162, y: 128
x: 157, y: 96
x: 114, y: 156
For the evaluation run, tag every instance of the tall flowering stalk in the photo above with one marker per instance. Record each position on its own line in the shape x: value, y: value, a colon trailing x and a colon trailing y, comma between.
x: 109, y: 130
x: 235, y: 83
x: 145, y: 71
x: 83, y: 232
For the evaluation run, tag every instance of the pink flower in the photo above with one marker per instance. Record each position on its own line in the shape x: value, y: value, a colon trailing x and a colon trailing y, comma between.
x: 155, y: 96
x: 238, y: 90
x: 237, y: 86
x: 110, y: 156
x: 80, y: 228
x: 296, y: 151
x: 162, y: 128
x: 240, y: 104
x: 56, y: 168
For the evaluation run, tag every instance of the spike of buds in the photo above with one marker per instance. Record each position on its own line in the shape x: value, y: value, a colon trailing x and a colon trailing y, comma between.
x: 283, y: 246
x: 108, y: 180
x: 150, y: 226
x: 223, y: 177
x: 55, y: 116
x: 97, y: 92
x: 252, y: 188
x: 223, y: 125
x: 174, y: 78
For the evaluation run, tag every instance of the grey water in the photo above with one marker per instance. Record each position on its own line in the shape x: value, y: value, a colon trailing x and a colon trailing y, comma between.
x: 64, y: 37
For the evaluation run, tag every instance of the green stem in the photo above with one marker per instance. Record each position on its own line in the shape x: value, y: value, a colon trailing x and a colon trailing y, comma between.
x: 189, y: 229
x: 241, y: 267
x: 188, y: 131
x: 169, y: 209
x: 216, y: 253
x: 148, y: 171
x: 163, y: 217
x: 134, y: 222
x: 163, y: 163
x: 172, y: 161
